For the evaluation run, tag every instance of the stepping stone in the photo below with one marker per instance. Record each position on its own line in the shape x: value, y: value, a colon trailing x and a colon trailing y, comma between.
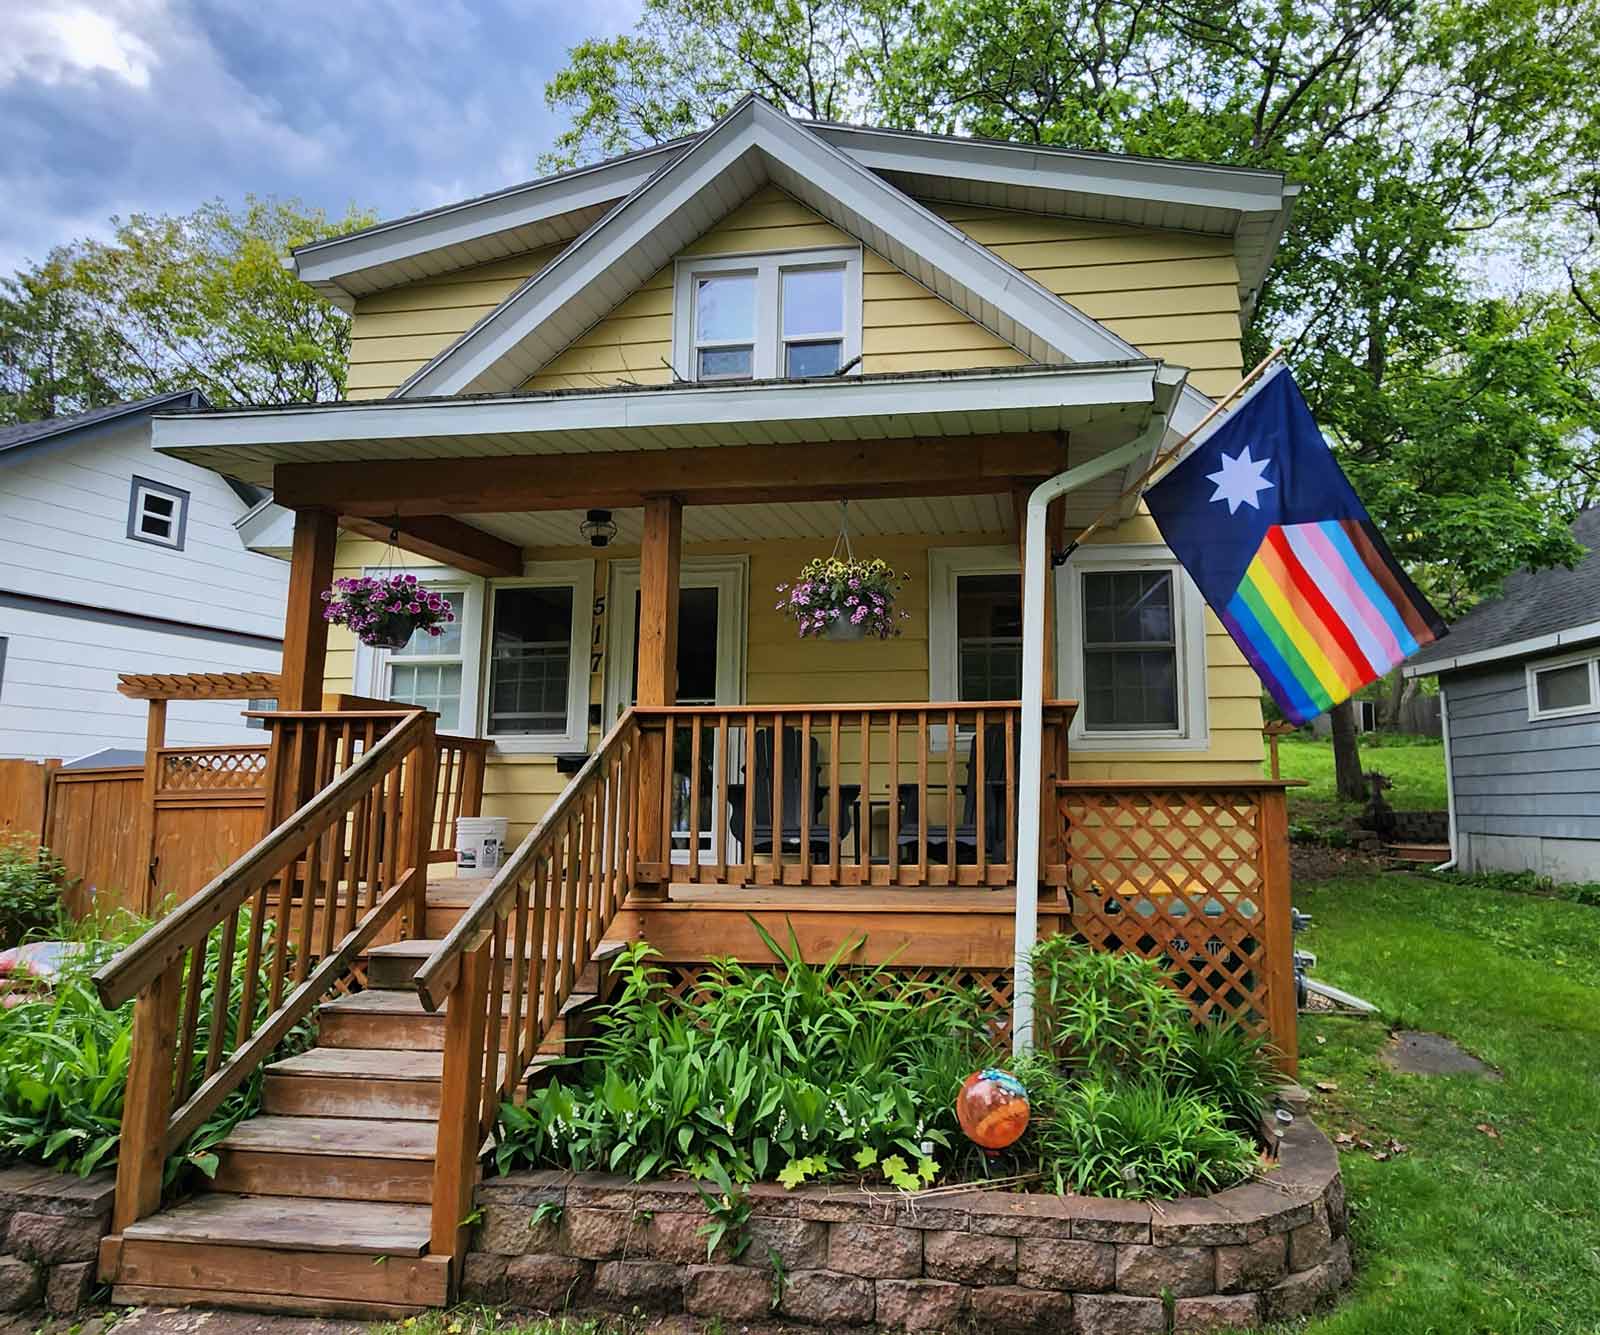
x: 1417, y: 1052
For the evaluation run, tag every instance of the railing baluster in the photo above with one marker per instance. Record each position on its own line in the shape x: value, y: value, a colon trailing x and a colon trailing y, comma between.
x: 516, y: 1053
x: 864, y: 844
x: 189, y: 1027
x: 807, y: 782
x: 1011, y: 794
x: 922, y: 796
x: 894, y: 796
x: 835, y: 837
x: 569, y: 944
x: 222, y: 994
x: 950, y: 750
x: 694, y: 798
x: 492, y: 1055
x: 747, y: 855
x: 669, y: 765
x: 980, y: 785
x: 777, y: 798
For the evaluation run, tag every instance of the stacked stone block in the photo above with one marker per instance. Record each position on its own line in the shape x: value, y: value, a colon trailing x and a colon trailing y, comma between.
x: 50, y: 1230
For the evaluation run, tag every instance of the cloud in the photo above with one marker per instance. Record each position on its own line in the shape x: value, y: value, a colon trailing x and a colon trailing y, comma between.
x: 156, y: 105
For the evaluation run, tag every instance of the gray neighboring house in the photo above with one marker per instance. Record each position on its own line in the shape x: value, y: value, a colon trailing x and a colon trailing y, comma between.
x: 1519, y: 679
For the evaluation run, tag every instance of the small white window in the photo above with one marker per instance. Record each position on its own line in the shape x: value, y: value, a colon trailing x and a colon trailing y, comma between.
x: 1566, y: 686
x: 157, y: 513
x: 974, y: 624
x: 1131, y: 650
x: 795, y: 316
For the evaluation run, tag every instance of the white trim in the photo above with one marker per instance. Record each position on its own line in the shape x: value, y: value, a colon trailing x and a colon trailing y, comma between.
x: 768, y: 268
x: 730, y: 575
x: 804, y: 400
x: 750, y: 146
x: 946, y: 565
x: 420, y: 245
x: 370, y: 672
x: 1588, y: 630
x: 1193, y: 732
x: 1531, y: 672
x: 579, y: 576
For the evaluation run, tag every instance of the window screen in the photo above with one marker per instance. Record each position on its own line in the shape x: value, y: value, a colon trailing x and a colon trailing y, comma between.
x: 530, y: 660
x: 1130, y: 660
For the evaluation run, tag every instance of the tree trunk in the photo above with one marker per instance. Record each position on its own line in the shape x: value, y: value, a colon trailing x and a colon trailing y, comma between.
x: 1346, y: 753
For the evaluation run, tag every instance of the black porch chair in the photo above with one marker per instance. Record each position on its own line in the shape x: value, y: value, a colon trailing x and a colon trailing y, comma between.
x: 760, y: 840
x: 966, y: 830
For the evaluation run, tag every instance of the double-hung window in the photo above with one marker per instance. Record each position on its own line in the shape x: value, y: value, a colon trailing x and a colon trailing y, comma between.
x: 974, y: 624
x: 1131, y: 649
x: 430, y: 671
x: 1564, y: 687
x: 794, y: 316
x: 538, y: 652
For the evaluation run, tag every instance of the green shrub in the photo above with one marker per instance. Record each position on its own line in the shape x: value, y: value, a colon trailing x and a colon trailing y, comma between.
x: 1137, y: 1139
x: 1233, y: 1069
x: 31, y: 884
x: 64, y: 1062
x: 1105, y: 1015
x: 785, y: 1072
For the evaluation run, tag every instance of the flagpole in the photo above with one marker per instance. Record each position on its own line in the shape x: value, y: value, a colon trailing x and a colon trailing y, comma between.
x: 1166, y: 456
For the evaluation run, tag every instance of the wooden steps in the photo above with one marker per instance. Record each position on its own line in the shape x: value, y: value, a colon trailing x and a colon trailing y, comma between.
x: 1421, y: 855
x: 355, y: 1254
x: 320, y: 1204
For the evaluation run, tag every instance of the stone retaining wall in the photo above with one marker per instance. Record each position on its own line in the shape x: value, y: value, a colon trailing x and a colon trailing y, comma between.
x: 1000, y: 1261
x: 50, y: 1229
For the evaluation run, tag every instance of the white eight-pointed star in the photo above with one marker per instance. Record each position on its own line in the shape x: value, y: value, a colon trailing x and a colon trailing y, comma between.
x: 1239, y: 480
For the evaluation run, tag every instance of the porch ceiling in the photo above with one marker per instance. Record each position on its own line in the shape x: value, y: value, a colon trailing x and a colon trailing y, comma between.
x: 873, y: 517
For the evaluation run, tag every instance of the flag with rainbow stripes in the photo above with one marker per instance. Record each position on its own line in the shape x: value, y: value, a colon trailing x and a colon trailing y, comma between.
x: 1268, y: 526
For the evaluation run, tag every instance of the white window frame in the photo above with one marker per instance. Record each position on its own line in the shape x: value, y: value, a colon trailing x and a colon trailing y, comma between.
x: 141, y: 490
x: 767, y: 358
x: 1193, y: 732
x: 579, y: 576
x: 371, y: 674
x: 729, y: 575
x: 946, y: 565
x: 1532, y: 670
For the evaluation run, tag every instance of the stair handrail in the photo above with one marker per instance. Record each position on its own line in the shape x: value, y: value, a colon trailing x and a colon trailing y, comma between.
x: 387, y: 795
x: 440, y: 973
x: 513, y: 959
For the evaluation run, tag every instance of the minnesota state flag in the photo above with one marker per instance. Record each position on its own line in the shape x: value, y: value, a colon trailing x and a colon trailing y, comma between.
x: 1268, y: 526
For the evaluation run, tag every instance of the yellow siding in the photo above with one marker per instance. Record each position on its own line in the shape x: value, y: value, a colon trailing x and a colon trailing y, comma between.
x: 394, y: 333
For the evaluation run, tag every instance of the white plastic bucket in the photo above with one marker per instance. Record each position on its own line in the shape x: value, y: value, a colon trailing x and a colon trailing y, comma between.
x: 480, y: 844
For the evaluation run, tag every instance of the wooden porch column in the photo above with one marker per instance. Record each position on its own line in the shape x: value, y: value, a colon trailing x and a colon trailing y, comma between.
x: 305, y: 633
x: 155, y: 737
x: 659, y: 562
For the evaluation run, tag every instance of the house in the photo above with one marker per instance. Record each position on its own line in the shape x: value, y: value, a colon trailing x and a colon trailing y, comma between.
x: 607, y: 414
x: 115, y: 558
x: 1519, y: 684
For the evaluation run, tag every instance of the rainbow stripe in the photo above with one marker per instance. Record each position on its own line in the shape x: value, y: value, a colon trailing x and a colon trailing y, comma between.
x: 1321, y: 611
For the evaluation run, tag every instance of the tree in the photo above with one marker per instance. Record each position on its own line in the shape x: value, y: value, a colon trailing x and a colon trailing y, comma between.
x: 198, y: 301
x: 1459, y: 393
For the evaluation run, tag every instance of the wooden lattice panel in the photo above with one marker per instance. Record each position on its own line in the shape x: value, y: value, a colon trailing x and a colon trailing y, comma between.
x: 220, y: 770
x: 1181, y: 875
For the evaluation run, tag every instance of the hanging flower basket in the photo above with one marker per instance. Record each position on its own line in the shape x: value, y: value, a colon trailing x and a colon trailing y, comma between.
x: 845, y: 598
x: 385, y: 611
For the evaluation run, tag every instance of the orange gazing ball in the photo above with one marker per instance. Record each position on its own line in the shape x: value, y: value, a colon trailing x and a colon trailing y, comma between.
x: 992, y: 1108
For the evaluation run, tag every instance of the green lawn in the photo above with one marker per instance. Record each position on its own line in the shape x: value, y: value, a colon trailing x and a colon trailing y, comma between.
x: 1466, y: 1231
x: 1416, y: 765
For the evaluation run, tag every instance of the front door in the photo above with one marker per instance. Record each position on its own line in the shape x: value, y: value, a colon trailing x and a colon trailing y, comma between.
x: 711, y: 639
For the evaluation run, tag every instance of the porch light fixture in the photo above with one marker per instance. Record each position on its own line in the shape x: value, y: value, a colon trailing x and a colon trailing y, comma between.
x: 598, y: 527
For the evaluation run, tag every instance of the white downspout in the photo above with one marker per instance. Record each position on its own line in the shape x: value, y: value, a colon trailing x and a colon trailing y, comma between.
x: 1035, y: 570
x: 1449, y: 781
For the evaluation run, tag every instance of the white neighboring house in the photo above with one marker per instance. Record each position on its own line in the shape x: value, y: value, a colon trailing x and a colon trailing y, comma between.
x: 114, y: 558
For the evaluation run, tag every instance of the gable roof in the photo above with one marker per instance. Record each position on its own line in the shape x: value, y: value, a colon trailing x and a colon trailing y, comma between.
x: 1536, y: 612
x: 51, y: 432
x: 753, y: 145
x: 1249, y: 205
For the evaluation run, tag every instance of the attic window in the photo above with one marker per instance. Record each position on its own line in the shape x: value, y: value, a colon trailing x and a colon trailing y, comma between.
x: 794, y: 316
x: 157, y: 513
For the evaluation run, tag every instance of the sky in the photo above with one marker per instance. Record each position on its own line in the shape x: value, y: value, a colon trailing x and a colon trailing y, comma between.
x: 113, y: 107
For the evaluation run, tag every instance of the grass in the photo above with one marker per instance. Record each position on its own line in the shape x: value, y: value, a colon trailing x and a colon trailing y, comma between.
x: 487, y: 1321
x: 1488, y: 1221
x: 1414, y: 764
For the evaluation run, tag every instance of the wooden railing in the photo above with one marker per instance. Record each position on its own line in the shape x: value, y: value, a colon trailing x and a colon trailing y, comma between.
x: 512, y: 961
x: 880, y: 794
x: 458, y: 790
x: 1195, y: 873
x: 211, y: 769
x: 345, y: 862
